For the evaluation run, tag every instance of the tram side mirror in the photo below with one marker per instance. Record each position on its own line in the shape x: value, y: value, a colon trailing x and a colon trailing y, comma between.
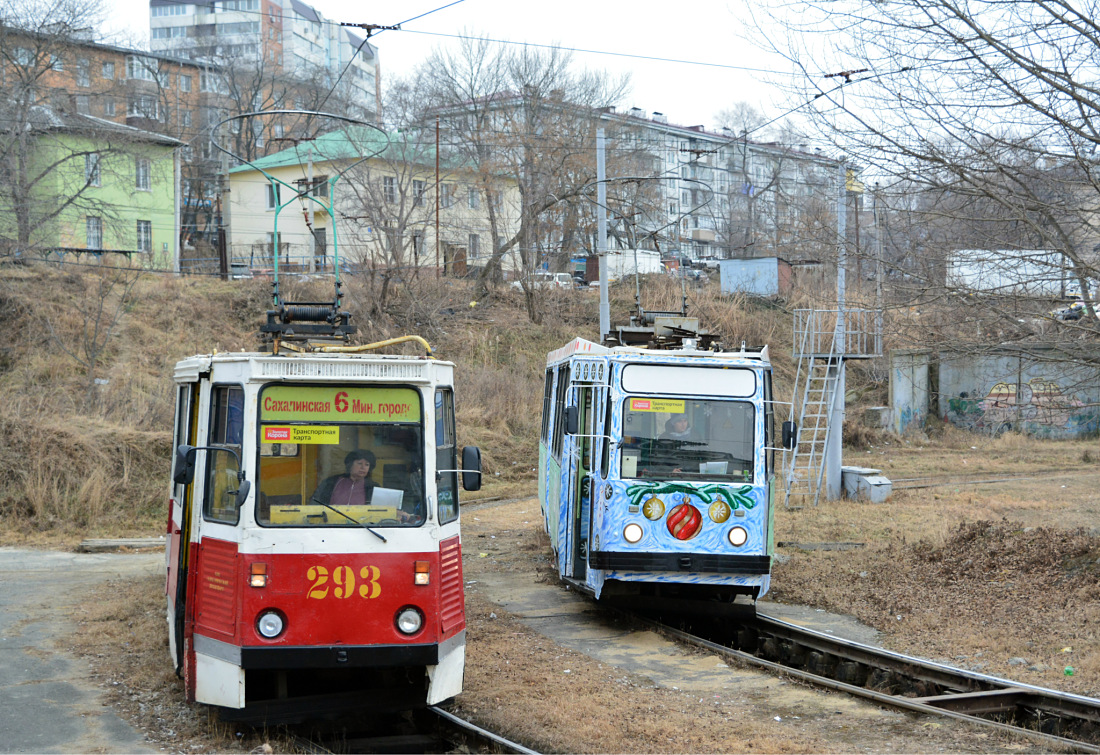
x: 572, y: 420
x: 185, y: 465
x: 471, y: 468
x: 243, y: 487
x: 790, y: 435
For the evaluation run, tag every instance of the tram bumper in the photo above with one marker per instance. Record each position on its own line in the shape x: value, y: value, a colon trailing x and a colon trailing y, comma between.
x: 699, y: 563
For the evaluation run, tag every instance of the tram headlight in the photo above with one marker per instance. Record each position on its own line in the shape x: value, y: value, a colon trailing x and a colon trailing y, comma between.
x: 632, y: 533
x: 409, y: 620
x: 738, y: 536
x: 270, y: 624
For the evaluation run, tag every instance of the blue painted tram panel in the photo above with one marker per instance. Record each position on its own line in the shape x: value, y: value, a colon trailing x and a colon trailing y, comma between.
x: 656, y: 472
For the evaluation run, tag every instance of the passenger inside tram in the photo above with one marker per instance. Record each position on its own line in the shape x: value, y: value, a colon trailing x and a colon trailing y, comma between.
x: 694, y: 440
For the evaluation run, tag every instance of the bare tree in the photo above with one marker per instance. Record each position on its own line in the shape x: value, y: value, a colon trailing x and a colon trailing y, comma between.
x: 982, y: 121
x: 526, y: 115
x: 50, y: 156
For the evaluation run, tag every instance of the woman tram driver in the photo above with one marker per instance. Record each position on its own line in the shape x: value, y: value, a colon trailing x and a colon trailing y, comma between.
x: 356, y: 488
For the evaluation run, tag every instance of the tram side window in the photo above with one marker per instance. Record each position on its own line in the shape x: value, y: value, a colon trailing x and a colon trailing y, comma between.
x: 183, y: 415
x: 547, y: 393
x: 226, y: 429
x: 769, y: 425
x: 605, y: 441
x: 445, y: 456
x: 558, y: 427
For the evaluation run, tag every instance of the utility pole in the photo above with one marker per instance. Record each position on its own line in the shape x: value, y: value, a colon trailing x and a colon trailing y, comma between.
x: 834, y: 443
x: 437, y: 270
x: 309, y: 210
x: 601, y: 232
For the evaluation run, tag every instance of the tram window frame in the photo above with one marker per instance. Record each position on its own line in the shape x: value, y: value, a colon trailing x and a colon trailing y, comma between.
x: 382, y: 432
x: 446, y: 454
x: 639, y: 442
x: 605, y: 451
x: 183, y: 416
x: 558, y: 427
x: 547, y: 394
x: 769, y: 427
x: 218, y: 427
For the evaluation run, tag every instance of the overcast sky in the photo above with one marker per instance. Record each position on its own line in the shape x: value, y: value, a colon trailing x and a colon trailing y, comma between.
x: 697, y: 32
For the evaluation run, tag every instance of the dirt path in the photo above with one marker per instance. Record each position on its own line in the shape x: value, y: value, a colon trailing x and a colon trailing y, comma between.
x: 47, y: 701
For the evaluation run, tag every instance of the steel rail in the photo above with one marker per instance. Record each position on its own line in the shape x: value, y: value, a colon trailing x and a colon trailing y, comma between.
x: 469, y: 729
x: 1005, y: 694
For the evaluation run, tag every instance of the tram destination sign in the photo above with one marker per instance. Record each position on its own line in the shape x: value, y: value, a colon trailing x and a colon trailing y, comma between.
x: 325, y: 404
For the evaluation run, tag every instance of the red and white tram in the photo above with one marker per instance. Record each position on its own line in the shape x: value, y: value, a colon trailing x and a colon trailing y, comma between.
x: 314, y: 559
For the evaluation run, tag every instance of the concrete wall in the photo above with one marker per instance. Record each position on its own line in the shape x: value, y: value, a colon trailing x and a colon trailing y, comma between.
x: 910, y: 387
x: 1000, y: 391
x: 763, y: 276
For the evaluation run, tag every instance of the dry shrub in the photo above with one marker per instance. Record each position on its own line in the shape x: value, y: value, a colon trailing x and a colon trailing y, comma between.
x: 986, y: 585
x: 81, y: 475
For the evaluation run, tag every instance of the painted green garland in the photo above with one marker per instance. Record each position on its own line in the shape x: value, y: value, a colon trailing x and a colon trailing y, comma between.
x: 708, y: 493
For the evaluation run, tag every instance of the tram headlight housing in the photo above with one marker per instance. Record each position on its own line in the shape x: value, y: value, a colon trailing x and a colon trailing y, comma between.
x: 270, y: 624
x: 632, y: 532
x: 738, y: 536
x: 409, y: 620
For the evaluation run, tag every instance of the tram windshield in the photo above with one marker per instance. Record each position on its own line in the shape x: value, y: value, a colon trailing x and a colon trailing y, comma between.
x: 318, y: 469
x: 702, y: 439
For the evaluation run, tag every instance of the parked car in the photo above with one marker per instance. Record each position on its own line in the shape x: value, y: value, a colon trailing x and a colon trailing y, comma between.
x: 1074, y: 311
x: 539, y: 280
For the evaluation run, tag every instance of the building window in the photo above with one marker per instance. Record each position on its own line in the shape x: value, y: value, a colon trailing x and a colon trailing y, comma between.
x: 210, y: 81
x: 184, y: 82
x: 278, y: 130
x: 108, y: 106
x: 142, y: 169
x: 473, y: 198
x: 473, y: 250
x: 495, y: 199
x: 145, y: 235
x: 141, y: 67
x: 143, y: 106
x: 185, y: 118
x: 418, y: 193
x: 83, y: 72
x: 23, y: 57
x: 56, y: 63
x: 94, y: 229
x: 418, y: 246
x: 187, y: 152
x: 107, y: 71
x: 91, y: 169
x: 446, y: 195
x: 83, y: 104
x: 272, y: 196
x: 389, y: 189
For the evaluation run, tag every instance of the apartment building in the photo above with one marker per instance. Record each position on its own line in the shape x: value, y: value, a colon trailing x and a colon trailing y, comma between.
x: 286, y: 35
x: 720, y: 196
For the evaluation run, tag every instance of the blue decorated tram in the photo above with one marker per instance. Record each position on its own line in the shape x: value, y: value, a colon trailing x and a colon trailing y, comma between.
x: 656, y: 469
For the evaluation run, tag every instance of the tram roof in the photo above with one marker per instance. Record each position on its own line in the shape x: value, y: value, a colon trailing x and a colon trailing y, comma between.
x: 318, y: 367
x: 584, y: 347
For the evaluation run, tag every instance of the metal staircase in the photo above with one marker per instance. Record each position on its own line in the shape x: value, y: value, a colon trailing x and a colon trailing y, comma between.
x: 823, y: 340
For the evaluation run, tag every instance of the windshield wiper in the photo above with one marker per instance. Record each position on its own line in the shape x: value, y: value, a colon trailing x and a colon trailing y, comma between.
x: 351, y: 519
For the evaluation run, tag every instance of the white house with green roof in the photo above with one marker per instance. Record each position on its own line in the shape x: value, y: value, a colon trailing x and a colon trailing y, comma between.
x: 375, y: 201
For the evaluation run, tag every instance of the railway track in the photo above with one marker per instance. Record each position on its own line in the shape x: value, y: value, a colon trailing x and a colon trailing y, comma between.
x: 1056, y: 719
x: 432, y: 730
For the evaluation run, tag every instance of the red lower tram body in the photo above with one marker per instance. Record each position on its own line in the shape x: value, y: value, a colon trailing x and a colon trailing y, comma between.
x: 384, y: 630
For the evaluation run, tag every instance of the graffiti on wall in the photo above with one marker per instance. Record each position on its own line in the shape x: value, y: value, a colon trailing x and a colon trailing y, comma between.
x: 1038, y: 407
